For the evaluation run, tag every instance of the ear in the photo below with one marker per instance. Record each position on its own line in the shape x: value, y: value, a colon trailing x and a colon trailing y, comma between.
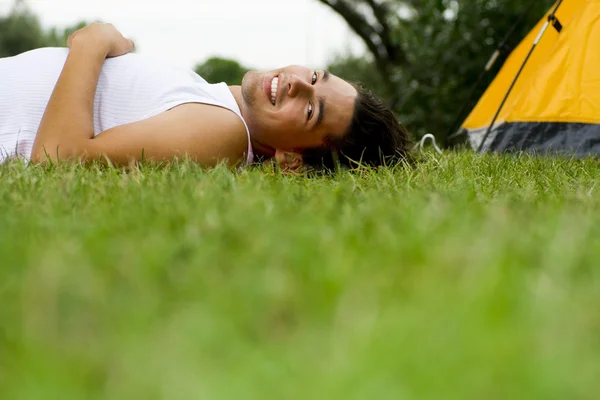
x: 288, y: 159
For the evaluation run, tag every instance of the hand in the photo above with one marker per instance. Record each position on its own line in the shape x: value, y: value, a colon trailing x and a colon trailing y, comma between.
x: 104, y: 37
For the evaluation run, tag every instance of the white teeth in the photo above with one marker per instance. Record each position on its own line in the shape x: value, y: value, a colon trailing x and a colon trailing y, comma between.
x: 274, y: 84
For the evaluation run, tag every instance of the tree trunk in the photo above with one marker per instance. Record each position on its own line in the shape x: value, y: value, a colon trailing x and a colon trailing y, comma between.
x: 377, y: 36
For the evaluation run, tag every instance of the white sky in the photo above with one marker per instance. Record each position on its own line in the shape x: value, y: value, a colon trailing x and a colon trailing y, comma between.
x: 262, y: 34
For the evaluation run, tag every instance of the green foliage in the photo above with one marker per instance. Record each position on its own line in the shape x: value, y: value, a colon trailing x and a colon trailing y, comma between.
x: 21, y: 31
x: 217, y: 69
x: 59, y: 37
x: 446, y: 44
x: 471, y: 277
x: 358, y: 70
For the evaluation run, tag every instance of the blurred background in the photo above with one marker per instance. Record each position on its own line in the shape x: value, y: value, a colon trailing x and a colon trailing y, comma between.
x: 423, y: 57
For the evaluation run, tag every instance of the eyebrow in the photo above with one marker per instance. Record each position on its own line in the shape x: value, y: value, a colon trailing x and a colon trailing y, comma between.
x: 322, y: 101
x: 321, y: 111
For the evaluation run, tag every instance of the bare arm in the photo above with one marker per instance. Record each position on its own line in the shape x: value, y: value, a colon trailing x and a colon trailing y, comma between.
x: 207, y: 134
x: 68, y: 124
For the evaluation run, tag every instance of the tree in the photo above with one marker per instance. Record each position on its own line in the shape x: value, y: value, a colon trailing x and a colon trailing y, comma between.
x: 217, y: 70
x: 359, y: 70
x: 22, y: 31
x: 428, y: 53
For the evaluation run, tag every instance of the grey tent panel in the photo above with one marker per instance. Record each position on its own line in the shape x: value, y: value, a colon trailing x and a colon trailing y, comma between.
x: 576, y: 139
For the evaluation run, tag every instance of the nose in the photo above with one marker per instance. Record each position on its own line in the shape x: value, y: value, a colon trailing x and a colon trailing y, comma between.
x: 299, y: 87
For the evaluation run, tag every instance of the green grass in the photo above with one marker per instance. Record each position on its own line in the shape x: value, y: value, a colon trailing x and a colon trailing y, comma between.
x: 471, y: 277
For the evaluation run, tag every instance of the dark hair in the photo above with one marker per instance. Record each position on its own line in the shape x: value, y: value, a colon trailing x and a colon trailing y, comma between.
x: 375, y: 138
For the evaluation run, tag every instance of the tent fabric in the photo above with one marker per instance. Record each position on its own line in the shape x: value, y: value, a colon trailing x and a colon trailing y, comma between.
x: 555, y: 104
x: 553, y: 138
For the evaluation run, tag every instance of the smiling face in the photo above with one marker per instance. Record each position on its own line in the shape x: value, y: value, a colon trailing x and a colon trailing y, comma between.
x: 296, y: 108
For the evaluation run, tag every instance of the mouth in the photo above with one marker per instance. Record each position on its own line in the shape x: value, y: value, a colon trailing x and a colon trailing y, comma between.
x: 271, y: 86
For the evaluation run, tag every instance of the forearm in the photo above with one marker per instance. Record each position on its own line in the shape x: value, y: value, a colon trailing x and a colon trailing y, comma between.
x: 68, y: 122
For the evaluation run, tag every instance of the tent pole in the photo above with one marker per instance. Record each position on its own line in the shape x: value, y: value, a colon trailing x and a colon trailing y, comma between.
x: 551, y: 19
x: 501, y: 48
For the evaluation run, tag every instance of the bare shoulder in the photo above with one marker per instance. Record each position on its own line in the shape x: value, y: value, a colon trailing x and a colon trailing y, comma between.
x: 207, y: 134
x: 208, y: 126
x: 206, y: 113
x: 211, y: 126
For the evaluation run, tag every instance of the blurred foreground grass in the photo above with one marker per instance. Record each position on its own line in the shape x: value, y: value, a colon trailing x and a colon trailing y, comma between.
x: 471, y: 277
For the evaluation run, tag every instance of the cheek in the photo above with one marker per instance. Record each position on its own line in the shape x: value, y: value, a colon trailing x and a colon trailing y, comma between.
x: 264, y: 124
x: 276, y: 120
x: 282, y: 128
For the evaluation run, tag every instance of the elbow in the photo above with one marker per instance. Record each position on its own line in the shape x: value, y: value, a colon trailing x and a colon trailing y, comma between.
x: 43, y: 155
x: 54, y: 152
x: 47, y: 153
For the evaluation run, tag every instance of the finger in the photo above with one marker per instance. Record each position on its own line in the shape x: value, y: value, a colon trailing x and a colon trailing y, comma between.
x: 120, y: 50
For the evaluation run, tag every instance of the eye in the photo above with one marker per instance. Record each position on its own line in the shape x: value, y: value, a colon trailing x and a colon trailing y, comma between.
x: 310, y: 111
x: 315, y: 77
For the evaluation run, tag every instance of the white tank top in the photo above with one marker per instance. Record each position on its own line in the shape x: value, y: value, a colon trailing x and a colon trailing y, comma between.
x: 131, y: 88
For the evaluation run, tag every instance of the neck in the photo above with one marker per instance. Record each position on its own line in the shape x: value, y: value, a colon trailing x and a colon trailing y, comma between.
x: 260, y: 149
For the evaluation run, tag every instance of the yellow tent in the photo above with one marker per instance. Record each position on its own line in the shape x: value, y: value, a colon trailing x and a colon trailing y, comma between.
x: 546, y: 97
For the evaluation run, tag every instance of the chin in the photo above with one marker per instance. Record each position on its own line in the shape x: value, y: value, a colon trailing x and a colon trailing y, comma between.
x: 248, y: 88
x: 256, y: 131
x: 249, y: 78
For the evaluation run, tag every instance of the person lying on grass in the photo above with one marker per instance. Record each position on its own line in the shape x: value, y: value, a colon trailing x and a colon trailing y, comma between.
x: 94, y: 101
